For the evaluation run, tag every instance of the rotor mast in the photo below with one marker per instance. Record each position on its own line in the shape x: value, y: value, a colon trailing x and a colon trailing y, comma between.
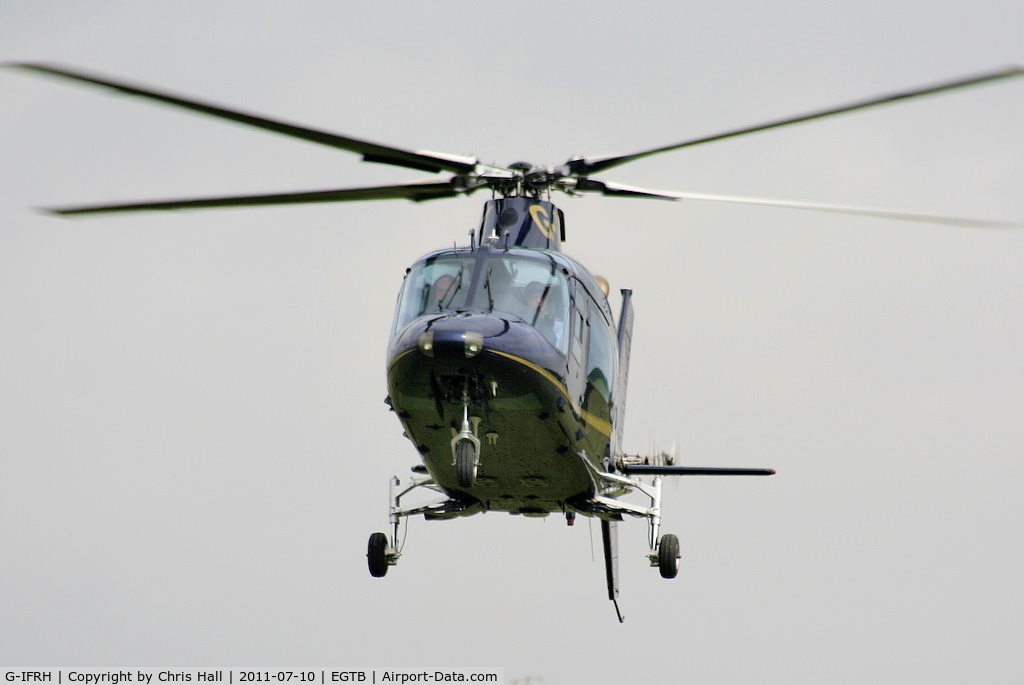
x: 522, y: 222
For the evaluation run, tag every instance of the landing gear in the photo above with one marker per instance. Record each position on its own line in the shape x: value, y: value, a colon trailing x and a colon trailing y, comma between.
x: 664, y: 550
x: 668, y: 556
x: 382, y: 551
x: 377, y: 555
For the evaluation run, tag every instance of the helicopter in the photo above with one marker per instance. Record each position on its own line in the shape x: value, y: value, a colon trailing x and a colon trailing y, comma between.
x: 506, y: 367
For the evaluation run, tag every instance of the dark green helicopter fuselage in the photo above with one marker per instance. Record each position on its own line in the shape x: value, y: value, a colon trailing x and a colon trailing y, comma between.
x: 520, y: 341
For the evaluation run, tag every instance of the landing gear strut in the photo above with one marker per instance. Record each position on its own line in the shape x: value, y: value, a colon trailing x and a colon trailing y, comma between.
x: 664, y: 551
x: 382, y: 551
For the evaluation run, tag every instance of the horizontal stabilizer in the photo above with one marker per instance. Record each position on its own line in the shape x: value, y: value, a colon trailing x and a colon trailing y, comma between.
x: 645, y: 470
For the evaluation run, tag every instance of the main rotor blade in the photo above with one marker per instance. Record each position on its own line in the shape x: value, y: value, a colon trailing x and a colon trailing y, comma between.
x: 620, y: 190
x: 584, y: 167
x: 624, y: 190
x: 372, y: 152
x: 417, y: 192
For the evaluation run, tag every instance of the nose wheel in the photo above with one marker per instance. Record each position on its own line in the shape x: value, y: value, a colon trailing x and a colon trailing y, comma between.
x: 465, y: 463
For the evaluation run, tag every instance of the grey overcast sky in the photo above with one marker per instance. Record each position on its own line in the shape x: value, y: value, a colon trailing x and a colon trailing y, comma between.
x: 192, y: 432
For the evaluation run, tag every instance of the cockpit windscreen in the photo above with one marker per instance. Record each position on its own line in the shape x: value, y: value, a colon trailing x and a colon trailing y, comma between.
x: 528, y: 289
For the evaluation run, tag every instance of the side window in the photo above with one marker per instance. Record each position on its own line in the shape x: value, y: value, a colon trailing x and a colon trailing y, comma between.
x: 579, y: 334
x: 600, y: 366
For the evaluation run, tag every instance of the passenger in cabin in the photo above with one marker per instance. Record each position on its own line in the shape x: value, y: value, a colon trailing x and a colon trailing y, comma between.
x: 532, y: 301
x: 544, y: 310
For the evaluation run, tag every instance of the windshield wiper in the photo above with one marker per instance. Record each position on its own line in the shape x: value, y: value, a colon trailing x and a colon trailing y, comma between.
x: 487, y: 287
x: 447, y: 297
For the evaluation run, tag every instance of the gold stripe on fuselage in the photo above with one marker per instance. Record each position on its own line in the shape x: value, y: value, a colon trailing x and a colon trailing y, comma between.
x: 599, y: 424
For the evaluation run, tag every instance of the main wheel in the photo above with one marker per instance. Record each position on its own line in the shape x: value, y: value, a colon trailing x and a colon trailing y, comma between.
x: 377, y: 555
x: 465, y: 463
x: 668, y: 556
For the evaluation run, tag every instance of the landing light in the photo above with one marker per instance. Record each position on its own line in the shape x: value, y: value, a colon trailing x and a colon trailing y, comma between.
x: 474, y: 343
x: 426, y: 343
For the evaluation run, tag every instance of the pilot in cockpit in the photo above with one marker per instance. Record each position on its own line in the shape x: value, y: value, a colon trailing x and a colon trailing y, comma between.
x: 441, y: 292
